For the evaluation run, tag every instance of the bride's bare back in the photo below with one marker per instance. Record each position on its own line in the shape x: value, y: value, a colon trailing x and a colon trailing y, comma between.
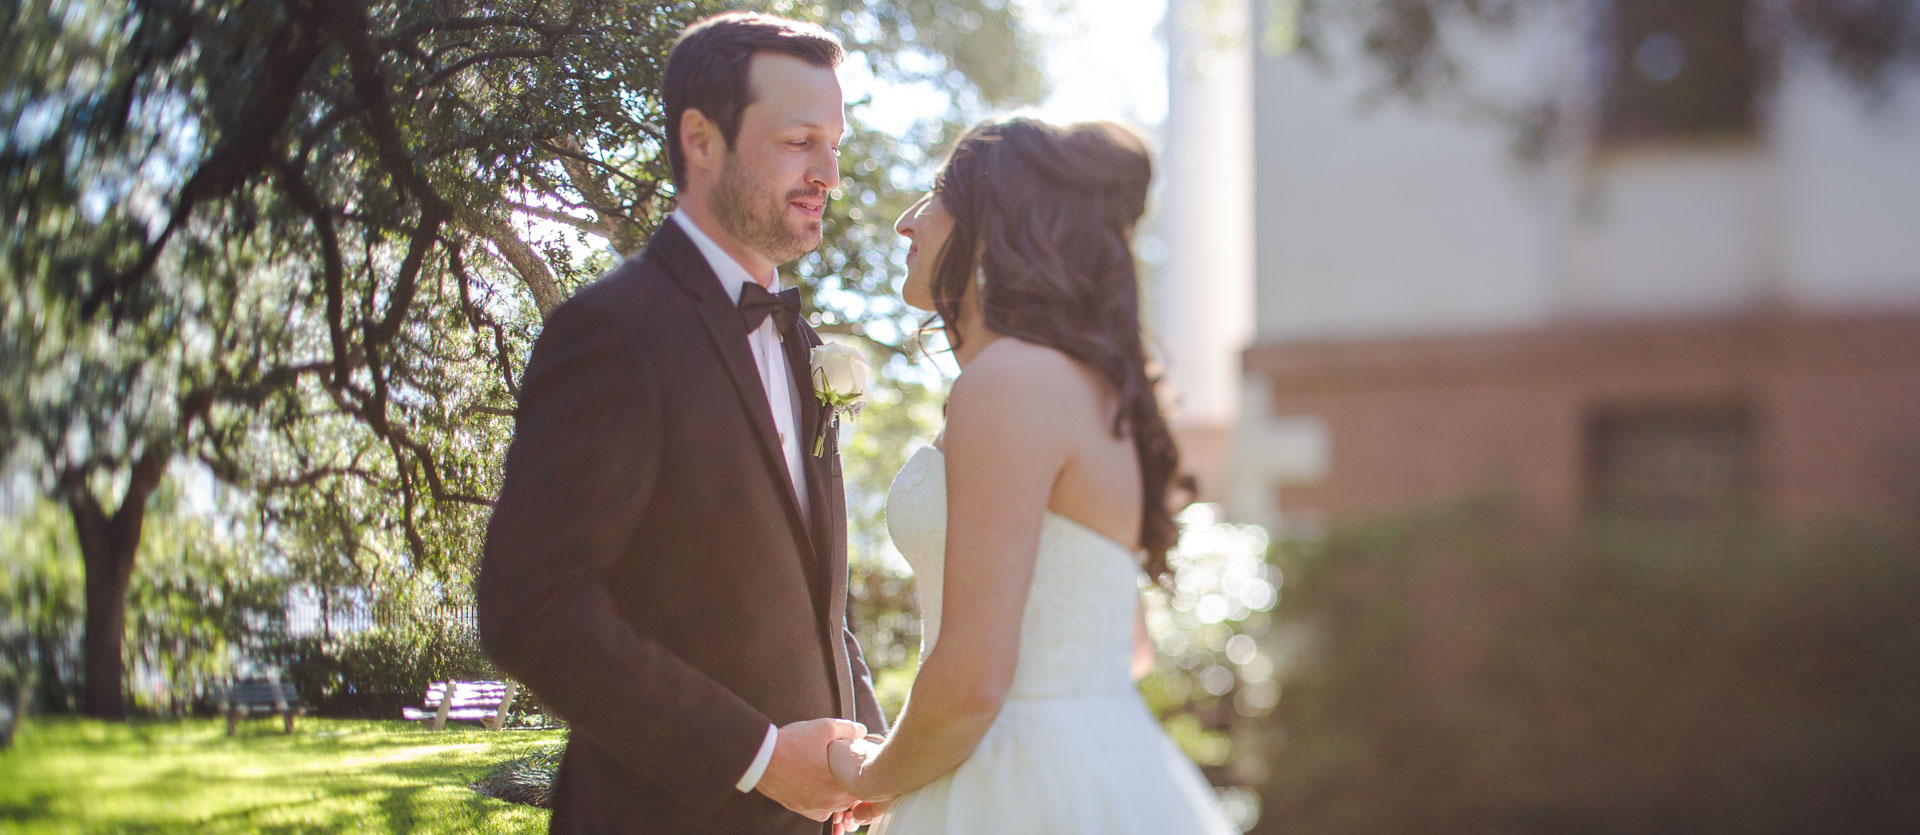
x: 1098, y: 480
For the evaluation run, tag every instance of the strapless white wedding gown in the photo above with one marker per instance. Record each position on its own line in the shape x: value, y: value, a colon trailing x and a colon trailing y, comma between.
x: 1074, y: 749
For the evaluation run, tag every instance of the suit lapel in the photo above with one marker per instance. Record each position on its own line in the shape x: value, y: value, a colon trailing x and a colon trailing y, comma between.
x: 728, y: 333
x: 827, y: 497
x: 807, y: 410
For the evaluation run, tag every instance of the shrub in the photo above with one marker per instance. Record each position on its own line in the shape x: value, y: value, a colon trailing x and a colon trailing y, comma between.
x: 373, y: 673
x: 527, y: 780
x: 1472, y: 669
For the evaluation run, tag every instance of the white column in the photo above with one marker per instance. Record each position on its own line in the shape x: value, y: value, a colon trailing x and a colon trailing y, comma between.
x: 1203, y: 303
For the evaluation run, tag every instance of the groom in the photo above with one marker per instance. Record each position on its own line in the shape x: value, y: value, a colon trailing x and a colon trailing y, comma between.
x: 666, y: 565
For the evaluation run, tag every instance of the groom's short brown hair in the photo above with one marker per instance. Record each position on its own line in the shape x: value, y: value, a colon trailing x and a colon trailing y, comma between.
x: 707, y: 69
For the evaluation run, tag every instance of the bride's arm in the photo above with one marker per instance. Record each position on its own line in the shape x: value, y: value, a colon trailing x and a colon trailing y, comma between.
x: 1004, y: 448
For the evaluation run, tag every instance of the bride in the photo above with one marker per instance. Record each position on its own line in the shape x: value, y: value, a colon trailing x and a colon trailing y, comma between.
x: 1030, y: 520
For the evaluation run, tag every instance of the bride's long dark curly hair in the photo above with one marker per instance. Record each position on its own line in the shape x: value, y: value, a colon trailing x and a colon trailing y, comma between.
x: 1046, y: 215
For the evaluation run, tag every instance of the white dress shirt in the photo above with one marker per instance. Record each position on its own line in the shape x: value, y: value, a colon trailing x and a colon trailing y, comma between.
x: 777, y: 379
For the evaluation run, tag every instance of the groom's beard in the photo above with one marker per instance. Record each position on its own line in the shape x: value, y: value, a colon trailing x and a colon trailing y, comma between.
x: 751, y: 215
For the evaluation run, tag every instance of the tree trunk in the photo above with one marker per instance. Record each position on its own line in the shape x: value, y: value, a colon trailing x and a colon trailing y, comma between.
x: 109, y: 563
x: 107, y: 547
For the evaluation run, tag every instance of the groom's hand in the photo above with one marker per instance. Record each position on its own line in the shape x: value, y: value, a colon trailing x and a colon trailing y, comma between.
x: 797, y: 776
x: 861, y: 813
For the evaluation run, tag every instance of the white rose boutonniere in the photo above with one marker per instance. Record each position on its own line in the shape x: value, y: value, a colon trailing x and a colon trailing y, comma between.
x: 840, y: 381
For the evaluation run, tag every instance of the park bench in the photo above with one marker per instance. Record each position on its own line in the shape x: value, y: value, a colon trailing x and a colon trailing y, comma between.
x: 253, y: 696
x: 486, y: 702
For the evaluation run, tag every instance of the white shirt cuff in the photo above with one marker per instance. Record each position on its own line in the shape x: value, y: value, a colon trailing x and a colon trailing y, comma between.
x: 759, y: 767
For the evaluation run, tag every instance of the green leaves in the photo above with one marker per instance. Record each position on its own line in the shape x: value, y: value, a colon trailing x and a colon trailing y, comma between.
x: 308, y: 245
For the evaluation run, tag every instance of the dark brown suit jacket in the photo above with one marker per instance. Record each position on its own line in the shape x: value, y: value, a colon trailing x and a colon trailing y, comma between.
x: 647, y: 569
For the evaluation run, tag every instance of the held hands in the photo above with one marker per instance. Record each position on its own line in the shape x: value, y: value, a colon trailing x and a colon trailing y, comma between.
x: 862, y: 813
x: 797, y: 776
x: 848, y: 759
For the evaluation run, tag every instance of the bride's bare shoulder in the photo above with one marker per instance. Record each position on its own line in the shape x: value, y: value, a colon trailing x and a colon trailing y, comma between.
x: 1013, y: 385
x: 1012, y: 367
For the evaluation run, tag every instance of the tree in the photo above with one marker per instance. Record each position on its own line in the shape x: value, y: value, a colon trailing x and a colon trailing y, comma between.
x: 292, y: 242
x: 99, y: 406
x: 232, y: 220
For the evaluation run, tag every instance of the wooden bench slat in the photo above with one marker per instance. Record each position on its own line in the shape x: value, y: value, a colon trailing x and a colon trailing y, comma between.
x: 486, y: 701
x: 473, y: 697
x: 416, y: 714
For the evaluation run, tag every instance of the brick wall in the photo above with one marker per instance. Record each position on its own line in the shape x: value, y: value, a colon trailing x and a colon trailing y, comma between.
x: 1833, y: 400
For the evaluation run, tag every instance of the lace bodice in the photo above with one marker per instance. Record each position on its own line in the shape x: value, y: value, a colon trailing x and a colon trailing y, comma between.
x: 1076, y: 636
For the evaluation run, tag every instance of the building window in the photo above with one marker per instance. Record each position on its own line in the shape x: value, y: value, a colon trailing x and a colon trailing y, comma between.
x: 1676, y: 71
x: 1680, y: 464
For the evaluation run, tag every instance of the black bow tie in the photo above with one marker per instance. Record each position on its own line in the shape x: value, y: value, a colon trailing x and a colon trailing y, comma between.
x: 756, y: 304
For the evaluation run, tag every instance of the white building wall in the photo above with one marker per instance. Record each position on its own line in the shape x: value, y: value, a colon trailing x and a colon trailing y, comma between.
x: 1672, y: 232
x: 1386, y: 219
x: 1850, y: 182
x: 1394, y: 219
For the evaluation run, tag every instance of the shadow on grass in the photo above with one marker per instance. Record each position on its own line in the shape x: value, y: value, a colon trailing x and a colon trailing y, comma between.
x: 38, y: 806
x: 418, y: 805
x: 330, y: 776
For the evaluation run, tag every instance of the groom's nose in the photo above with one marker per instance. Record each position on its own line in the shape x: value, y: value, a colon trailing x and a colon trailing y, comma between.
x: 823, y: 170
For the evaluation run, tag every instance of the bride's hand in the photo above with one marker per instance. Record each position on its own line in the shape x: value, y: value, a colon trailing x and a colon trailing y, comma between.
x: 848, y: 761
x: 862, y: 812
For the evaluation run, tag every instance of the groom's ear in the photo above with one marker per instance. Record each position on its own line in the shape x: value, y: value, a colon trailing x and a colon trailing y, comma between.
x: 700, y: 141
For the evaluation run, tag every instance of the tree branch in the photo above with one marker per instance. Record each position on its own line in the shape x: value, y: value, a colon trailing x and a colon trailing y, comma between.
x: 240, y: 154
x: 477, y: 319
x: 463, y: 24
x: 400, y: 298
x: 481, y: 58
x: 640, y: 186
x: 526, y: 263
x: 580, y: 223
x: 333, y: 269
x: 620, y: 230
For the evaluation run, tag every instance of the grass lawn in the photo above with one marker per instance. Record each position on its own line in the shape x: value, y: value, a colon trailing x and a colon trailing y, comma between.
x: 75, y: 775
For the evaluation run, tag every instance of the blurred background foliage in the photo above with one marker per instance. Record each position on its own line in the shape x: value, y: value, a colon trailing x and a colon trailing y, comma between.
x: 203, y: 601
x: 1471, y: 668
x: 1213, y: 674
x: 304, y: 248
